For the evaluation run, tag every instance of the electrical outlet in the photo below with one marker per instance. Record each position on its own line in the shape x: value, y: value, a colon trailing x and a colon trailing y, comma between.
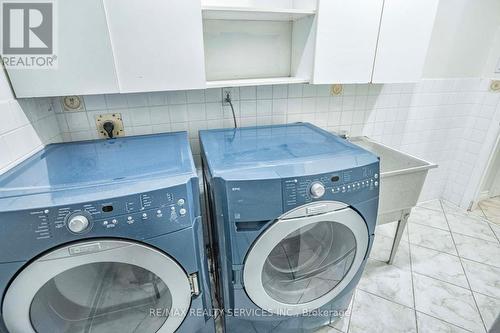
x: 336, y: 89
x: 225, y: 93
x: 495, y: 85
x: 72, y: 103
x: 115, y: 118
x: 497, y: 69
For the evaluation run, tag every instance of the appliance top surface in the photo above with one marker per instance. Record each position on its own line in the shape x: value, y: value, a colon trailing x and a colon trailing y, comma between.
x: 98, y: 163
x: 274, y: 146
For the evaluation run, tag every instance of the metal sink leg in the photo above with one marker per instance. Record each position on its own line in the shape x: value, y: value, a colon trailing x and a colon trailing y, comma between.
x: 399, y: 233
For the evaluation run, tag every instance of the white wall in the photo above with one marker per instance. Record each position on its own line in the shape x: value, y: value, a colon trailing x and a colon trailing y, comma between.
x: 492, y: 172
x: 25, y: 126
x: 477, y: 145
x: 490, y: 69
x: 462, y: 38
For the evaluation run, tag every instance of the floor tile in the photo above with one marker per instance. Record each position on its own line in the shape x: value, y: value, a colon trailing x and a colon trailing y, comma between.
x: 432, y: 238
x: 470, y: 226
x: 496, y: 229
x: 491, y: 207
x: 449, y: 207
x: 327, y: 329
x: 387, y: 281
x: 428, y: 217
x: 342, y: 324
x: 489, y: 308
x: 377, y: 315
x: 432, y: 204
x: 478, y: 212
x: 483, y: 278
x: 439, y: 265
x: 389, y: 230
x: 494, y: 219
x: 428, y: 324
x: 478, y: 250
x: 381, y: 250
x: 447, y: 302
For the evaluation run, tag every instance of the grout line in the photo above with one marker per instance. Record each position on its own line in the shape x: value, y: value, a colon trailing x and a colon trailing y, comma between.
x: 456, y: 255
x: 440, y: 280
x: 485, y: 295
x: 352, y: 309
x: 445, y: 321
x: 426, y: 225
x: 466, y: 277
x: 416, y: 311
x: 413, y: 286
x: 386, y: 299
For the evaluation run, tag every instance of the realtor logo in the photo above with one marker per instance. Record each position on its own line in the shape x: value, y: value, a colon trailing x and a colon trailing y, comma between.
x: 28, y: 34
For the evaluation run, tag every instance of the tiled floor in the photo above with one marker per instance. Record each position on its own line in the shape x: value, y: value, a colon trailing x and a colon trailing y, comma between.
x: 490, y: 209
x: 446, y: 276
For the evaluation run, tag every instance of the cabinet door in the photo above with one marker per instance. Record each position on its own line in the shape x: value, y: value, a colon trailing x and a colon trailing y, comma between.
x: 157, y: 44
x: 84, y: 55
x: 346, y: 40
x: 405, y: 33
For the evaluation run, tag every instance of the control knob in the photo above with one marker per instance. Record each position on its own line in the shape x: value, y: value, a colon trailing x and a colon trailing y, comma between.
x: 317, y: 190
x: 78, y: 224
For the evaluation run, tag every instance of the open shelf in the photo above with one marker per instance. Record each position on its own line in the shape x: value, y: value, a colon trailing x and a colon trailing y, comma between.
x: 255, y: 82
x: 254, y: 14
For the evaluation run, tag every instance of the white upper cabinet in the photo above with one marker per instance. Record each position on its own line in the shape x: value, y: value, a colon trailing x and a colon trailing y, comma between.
x: 84, y: 56
x: 404, y: 38
x: 380, y: 41
x: 157, y: 44
x: 346, y: 40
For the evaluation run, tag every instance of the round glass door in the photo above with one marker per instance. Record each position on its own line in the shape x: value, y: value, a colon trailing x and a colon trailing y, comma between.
x: 99, y: 287
x: 309, y: 263
x: 299, y: 264
x: 100, y: 298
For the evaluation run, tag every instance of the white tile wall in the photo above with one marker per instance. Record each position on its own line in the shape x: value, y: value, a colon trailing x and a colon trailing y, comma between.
x: 443, y: 121
x: 475, y: 145
x: 25, y: 126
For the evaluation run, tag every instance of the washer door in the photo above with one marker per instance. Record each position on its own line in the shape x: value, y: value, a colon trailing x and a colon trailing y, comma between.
x: 99, y: 287
x: 299, y: 264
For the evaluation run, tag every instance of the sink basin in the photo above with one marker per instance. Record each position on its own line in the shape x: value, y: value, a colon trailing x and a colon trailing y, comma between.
x: 402, y: 177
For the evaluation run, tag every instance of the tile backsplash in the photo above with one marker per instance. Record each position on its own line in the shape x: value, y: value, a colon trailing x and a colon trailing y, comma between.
x: 443, y: 121
x: 25, y: 126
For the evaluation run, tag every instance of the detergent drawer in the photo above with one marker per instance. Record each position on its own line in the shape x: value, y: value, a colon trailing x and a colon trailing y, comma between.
x: 254, y: 200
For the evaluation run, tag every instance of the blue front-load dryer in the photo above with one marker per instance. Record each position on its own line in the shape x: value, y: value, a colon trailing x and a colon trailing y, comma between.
x: 293, y: 212
x: 104, y: 236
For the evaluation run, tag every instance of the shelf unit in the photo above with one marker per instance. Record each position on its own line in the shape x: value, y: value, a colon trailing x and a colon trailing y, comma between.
x: 254, y: 14
x: 257, y: 45
x: 255, y: 82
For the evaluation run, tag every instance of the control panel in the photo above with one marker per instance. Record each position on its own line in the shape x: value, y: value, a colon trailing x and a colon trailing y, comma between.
x: 161, y: 211
x: 353, y: 184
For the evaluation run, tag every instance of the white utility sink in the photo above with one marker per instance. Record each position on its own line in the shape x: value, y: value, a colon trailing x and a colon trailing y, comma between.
x: 402, y: 177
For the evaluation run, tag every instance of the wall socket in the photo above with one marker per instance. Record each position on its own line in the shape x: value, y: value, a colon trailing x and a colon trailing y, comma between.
x: 336, y: 89
x: 115, y: 118
x: 495, y: 85
x: 72, y: 103
x: 225, y: 92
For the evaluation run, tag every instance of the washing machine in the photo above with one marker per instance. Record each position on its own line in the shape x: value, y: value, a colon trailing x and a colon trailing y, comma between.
x: 104, y: 236
x: 293, y: 210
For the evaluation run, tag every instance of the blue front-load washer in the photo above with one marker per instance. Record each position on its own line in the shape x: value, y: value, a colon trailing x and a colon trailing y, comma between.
x: 102, y: 237
x: 293, y: 213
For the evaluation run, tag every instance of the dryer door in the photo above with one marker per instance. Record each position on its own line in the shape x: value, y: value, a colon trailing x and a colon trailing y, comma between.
x: 98, y: 286
x: 306, y: 258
